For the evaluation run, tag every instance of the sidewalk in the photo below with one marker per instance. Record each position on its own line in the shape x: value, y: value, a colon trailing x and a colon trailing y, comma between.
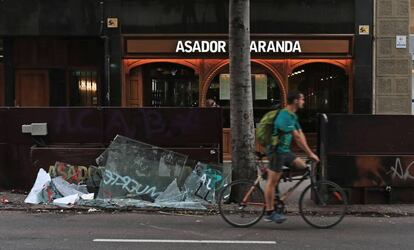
x: 16, y: 203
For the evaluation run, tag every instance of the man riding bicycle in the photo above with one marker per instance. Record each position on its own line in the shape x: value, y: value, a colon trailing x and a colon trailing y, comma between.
x: 287, y: 127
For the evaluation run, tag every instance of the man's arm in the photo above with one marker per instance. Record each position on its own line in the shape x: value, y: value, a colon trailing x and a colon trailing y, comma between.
x: 303, y: 144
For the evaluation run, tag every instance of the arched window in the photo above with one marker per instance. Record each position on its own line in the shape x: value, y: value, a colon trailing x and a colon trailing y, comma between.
x: 265, y: 89
x: 169, y: 85
x: 325, y: 87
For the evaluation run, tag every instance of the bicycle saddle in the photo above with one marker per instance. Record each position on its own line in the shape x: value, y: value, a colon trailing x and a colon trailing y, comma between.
x: 260, y: 155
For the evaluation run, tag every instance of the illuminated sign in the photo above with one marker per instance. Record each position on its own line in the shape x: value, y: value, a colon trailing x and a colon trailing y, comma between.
x: 217, y: 46
x: 220, y: 46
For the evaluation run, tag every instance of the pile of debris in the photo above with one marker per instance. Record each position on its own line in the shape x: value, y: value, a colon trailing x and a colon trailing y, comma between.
x: 132, y: 174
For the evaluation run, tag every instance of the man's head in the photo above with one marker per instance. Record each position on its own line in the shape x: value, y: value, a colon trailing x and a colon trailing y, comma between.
x: 211, y: 103
x: 296, y: 100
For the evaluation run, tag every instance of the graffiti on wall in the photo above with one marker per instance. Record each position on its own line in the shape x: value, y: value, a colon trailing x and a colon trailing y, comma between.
x: 72, y: 173
x: 401, y: 172
x: 372, y: 170
x: 206, y: 181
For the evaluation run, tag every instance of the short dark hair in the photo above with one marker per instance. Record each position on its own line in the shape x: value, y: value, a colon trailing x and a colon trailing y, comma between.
x: 293, y: 95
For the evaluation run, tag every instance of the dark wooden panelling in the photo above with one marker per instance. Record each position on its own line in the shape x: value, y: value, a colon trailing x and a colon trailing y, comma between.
x: 5, y: 178
x: 165, y: 127
x: 32, y: 88
x: 195, y: 132
x: 65, y: 125
x: 84, y: 53
x: 370, y: 134
x: 3, y: 125
x: 51, y: 52
x: 24, y: 52
x: 37, y: 52
x: 80, y: 155
x: 2, y: 84
x: 134, y: 89
x: 371, y: 156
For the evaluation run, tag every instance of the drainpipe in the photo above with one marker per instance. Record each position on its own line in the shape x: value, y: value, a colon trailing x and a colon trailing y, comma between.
x: 107, y: 59
x: 107, y: 72
x: 374, y: 55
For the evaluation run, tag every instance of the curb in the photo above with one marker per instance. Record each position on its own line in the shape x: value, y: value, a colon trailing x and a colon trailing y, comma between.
x: 167, y: 211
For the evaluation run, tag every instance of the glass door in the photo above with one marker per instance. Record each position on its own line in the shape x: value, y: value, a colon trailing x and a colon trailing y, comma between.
x: 169, y: 85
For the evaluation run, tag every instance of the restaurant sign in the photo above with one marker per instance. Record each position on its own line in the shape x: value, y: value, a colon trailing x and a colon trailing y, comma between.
x: 271, y: 46
x: 221, y: 46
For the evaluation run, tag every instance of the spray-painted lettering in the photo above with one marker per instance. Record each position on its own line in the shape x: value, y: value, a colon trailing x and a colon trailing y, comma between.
x: 72, y: 174
x: 397, y: 171
x: 128, y: 184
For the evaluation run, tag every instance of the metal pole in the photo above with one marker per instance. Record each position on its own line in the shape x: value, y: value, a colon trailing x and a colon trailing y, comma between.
x: 323, y: 141
x: 107, y: 56
x: 107, y: 71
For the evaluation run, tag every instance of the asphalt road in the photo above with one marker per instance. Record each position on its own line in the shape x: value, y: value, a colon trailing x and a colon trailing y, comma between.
x: 20, y: 230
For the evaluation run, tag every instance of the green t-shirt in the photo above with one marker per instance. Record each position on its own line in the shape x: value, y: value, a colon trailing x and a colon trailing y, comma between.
x: 285, y: 123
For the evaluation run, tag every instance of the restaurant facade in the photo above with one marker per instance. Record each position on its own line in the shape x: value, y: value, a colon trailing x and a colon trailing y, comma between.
x: 175, y: 54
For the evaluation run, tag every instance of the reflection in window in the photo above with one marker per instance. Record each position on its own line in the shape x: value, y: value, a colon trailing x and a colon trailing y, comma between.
x: 169, y: 85
x: 265, y: 91
x: 1, y: 50
x: 325, y: 87
x: 84, y: 88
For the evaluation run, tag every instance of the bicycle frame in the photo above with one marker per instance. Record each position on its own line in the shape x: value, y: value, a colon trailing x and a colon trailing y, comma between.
x: 308, y: 174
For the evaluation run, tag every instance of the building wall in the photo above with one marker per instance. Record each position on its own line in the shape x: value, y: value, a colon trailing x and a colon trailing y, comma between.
x: 411, y: 17
x: 82, y: 18
x: 48, y: 17
x: 412, y: 54
x: 40, y: 70
x: 392, y: 65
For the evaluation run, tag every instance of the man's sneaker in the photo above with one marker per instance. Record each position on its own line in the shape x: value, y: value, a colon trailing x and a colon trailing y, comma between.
x: 276, y: 217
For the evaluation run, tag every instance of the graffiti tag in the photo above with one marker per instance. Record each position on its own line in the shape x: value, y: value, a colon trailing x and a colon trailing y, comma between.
x: 128, y: 184
x: 397, y: 170
x: 210, y: 181
x: 72, y: 174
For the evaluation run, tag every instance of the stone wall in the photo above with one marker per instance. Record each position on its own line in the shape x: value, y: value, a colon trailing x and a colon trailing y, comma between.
x: 411, y: 18
x: 392, y: 66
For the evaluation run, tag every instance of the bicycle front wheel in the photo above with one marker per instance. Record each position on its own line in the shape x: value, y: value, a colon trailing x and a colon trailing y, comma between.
x: 323, y: 205
x: 241, y: 203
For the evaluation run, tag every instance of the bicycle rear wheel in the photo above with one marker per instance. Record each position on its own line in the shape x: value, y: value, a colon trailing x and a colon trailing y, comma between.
x: 244, y: 207
x: 323, y: 205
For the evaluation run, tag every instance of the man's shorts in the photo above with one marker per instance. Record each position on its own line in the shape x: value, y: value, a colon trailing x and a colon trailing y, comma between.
x: 278, y: 160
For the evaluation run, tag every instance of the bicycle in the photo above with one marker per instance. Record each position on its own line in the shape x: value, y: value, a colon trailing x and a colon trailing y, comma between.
x: 321, y: 201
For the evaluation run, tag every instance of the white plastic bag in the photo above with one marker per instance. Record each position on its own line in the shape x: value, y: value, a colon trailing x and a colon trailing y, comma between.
x: 35, y: 195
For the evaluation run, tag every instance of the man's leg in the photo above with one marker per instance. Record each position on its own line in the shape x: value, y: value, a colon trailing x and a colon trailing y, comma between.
x: 271, y: 213
x: 299, y: 163
x: 273, y: 178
